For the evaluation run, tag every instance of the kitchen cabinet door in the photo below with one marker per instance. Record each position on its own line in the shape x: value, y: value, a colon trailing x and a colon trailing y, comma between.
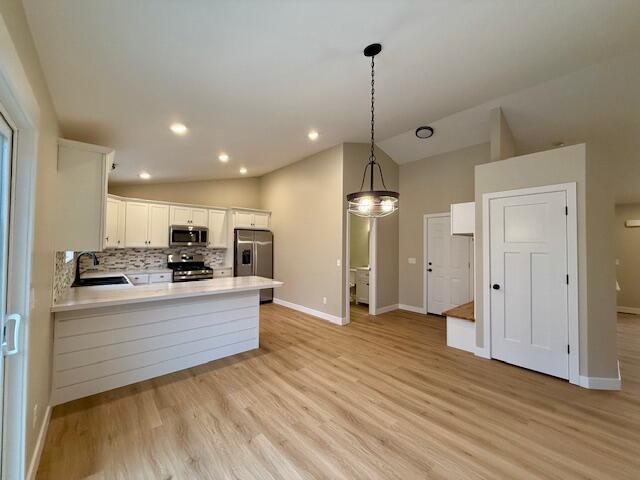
x: 199, y: 217
x: 180, y: 215
x: 158, y: 226
x: 243, y: 220
x: 217, y: 229
x: 261, y: 220
x: 121, y: 223
x: 136, y: 224
x: 111, y: 223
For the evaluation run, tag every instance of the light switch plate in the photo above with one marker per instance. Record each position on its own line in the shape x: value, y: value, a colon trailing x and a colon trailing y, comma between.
x: 412, y: 260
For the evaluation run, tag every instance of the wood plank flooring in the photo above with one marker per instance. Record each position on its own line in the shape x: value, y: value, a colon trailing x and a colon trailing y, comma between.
x: 382, y: 398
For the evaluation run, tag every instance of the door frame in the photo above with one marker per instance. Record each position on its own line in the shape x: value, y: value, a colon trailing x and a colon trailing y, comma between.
x: 425, y: 254
x: 572, y: 269
x: 373, y: 245
x: 20, y: 107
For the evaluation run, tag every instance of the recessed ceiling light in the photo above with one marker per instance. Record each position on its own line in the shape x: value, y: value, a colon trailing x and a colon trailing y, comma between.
x: 424, y: 132
x: 178, y: 128
x: 144, y: 175
x: 223, y: 157
x: 313, y: 135
x: 243, y: 171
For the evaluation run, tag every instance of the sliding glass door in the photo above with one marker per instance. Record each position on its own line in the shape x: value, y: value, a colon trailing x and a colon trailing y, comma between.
x: 8, y: 325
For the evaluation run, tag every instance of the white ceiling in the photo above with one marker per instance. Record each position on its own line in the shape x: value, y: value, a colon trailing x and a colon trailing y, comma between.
x: 252, y: 77
x: 600, y: 103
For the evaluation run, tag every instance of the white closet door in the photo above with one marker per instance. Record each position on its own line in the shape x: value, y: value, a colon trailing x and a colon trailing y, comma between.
x: 448, y: 266
x: 528, y: 249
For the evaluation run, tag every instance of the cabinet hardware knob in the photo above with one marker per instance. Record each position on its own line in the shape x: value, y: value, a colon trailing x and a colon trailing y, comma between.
x: 496, y: 286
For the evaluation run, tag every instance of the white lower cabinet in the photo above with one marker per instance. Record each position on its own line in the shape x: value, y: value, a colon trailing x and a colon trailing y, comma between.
x: 139, y: 279
x: 222, y: 272
x: 146, y: 225
x: 362, y: 286
x: 159, y: 277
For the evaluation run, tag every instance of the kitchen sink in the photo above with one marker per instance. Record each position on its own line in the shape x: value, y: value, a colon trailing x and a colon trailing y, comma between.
x: 96, y: 281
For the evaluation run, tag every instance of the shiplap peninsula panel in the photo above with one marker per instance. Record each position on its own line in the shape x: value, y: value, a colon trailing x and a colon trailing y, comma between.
x: 104, y: 348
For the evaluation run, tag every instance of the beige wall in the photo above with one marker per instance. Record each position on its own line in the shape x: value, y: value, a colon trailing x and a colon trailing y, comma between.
x: 355, y: 158
x: 359, y: 242
x: 235, y: 192
x: 502, y: 142
x: 305, y: 199
x: 430, y: 185
x: 595, y: 250
x: 39, y: 323
x: 628, y: 254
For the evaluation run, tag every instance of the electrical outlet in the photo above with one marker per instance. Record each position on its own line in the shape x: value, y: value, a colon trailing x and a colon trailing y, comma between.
x: 324, y: 300
x: 35, y: 416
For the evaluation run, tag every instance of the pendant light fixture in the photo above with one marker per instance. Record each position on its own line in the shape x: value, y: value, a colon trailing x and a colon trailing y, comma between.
x: 373, y: 203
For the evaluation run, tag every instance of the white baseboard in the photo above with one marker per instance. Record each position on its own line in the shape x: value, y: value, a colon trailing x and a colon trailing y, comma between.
x: 388, y: 308
x: 311, y: 311
x: 411, y: 308
x: 602, y: 383
x: 37, y: 452
x: 634, y: 310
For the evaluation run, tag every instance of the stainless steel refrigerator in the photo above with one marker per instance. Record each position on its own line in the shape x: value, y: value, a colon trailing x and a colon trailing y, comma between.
x: 253, y: 255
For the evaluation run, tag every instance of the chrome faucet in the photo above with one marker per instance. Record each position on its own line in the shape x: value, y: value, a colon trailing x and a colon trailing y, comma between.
x: 80, y: 255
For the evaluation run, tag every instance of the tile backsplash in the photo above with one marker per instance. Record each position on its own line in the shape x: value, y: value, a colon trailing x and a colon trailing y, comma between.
x: 146, y: 258
x: 126, y: 259
x: 63, y: 275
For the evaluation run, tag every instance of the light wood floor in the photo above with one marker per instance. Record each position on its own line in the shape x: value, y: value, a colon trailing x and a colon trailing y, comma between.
x: 382, y: 398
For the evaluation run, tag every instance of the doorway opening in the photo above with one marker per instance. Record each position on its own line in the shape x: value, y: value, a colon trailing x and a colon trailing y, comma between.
x: 448, y: 265
x: 627, y: 239
x: 360, y: 266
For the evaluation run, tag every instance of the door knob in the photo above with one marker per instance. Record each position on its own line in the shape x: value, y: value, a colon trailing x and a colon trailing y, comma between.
x: 496, y: 286
x: 429, y: 270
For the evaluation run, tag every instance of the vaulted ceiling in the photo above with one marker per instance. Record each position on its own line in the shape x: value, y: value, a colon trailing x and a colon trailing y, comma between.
x: 251, y: 78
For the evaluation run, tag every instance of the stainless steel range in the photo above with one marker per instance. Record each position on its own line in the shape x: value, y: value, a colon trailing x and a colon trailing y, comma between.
x: 188, y: 268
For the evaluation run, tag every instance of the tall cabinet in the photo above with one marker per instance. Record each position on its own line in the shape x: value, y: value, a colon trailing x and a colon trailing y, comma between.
x: 81, y: 195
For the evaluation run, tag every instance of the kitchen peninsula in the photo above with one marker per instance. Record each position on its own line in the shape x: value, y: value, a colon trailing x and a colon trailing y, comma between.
x: 110, y: 336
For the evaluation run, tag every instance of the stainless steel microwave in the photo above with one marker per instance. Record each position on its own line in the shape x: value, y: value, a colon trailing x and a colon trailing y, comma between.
x: 188, y: 236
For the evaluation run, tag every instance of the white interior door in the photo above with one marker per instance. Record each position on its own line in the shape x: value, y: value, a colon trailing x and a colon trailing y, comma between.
x: 448, y: 266
x: 528, y: 281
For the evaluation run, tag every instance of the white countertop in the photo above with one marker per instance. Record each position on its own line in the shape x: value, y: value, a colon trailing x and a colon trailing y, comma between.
x: 80, y: 298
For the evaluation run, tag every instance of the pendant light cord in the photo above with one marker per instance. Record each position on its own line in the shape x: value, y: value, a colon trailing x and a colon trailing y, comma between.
x: 372, y: 155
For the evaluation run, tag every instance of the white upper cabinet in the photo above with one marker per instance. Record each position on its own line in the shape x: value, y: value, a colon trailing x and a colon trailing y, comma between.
x: 218, y: 229
x: 463, y: 218
x: 262, y: 220
x: 158, y: 235
x: 81, y: 196
x: 115, y: 224
x: 251, y: 219
x: 179, y: 215
x: 197, y: 217
x: 136, y: 224
x: 147, y: 225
